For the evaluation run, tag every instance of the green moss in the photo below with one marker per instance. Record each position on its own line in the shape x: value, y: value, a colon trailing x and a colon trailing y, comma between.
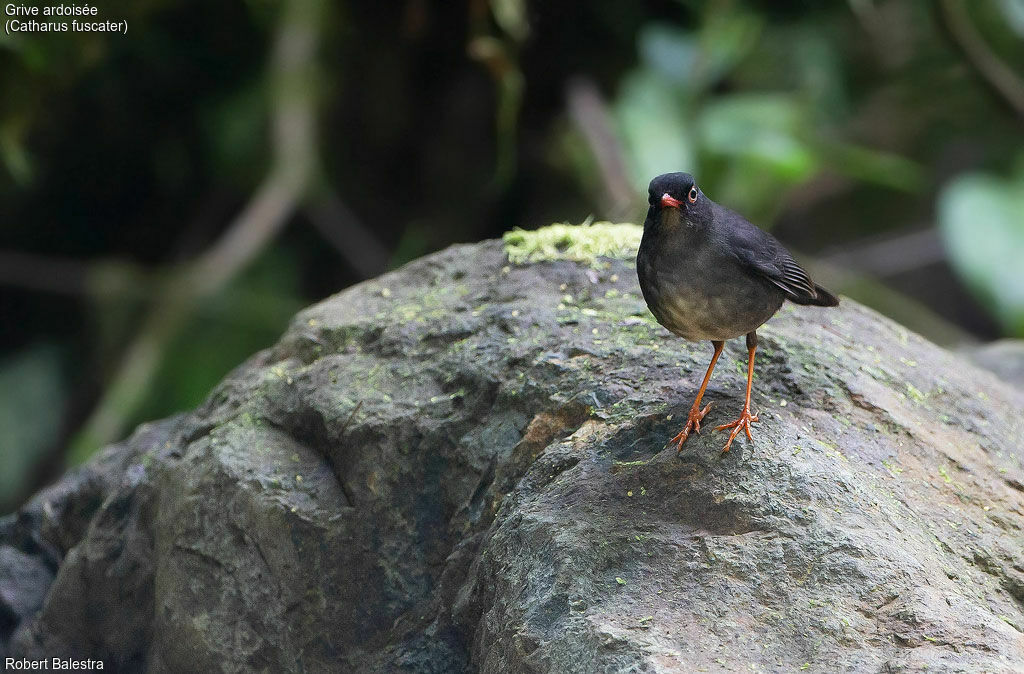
x: 1010, y: 623
x: 582, y: 243
x: 893, y: 469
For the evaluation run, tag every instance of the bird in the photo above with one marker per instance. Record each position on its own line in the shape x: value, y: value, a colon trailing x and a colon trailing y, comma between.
x: 707, y: 273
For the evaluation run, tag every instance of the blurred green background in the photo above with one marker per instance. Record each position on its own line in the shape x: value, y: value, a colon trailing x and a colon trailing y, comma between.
x: 170, y: 197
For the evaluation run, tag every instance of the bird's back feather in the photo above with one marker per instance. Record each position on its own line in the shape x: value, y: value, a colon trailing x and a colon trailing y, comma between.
x: 762, y: 255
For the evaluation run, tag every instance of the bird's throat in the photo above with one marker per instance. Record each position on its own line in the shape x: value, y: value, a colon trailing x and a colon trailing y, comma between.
x: 671, y: 219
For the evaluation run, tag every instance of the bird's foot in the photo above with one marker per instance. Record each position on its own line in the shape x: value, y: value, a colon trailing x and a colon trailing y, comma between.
x: 692, y: 424
x: 741, y: 424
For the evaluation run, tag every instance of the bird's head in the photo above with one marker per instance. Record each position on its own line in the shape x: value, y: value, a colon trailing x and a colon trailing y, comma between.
x: 675, y: 198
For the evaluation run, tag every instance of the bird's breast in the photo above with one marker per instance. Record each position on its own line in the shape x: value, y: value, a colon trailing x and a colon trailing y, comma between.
x: 700, y: 297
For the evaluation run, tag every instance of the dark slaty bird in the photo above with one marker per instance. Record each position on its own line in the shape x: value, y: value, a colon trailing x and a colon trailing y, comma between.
x: 707, y: 273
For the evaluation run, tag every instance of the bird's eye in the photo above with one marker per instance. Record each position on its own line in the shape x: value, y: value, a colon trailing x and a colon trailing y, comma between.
x: 692, y: 196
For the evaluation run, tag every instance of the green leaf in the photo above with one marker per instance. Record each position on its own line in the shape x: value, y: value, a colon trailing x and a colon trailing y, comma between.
x: 13, y: 153
x: 981, y: 218
x: 1013, y: 12
x: 694, y: 61
x: 820, y: 70
x: 653, y: 122
x: 759, y: 127
x: 511, y: 16
x: 670, y: 53
x: 874, y: 166
x: 726, y: 38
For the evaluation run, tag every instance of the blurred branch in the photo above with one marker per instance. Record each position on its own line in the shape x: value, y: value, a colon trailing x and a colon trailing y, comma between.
x: 891, y: 255
x: 294, y: 86
x: 202, y: 228
x: 352, y: 240
x: 1000, y: 79
x: 589, y: 113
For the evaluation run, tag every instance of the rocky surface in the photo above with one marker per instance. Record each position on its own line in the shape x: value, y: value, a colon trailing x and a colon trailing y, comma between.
x: 459, y: 467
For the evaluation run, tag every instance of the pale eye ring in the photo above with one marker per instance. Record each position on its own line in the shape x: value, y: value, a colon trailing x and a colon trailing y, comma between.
x: 692, y: 196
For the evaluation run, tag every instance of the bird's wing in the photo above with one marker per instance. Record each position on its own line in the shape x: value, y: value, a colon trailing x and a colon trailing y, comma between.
x: 762, y: 255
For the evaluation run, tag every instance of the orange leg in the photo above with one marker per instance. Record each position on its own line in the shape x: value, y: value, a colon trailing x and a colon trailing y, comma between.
x: 696, y: 413
x: 746, y: 418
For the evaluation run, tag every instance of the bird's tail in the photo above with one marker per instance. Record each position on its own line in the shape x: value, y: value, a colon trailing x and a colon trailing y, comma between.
x: 822, y: 298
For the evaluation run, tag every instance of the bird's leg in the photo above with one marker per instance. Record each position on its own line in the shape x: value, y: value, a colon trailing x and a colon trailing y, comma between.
x: 696, y: 413
x: 746, y: 418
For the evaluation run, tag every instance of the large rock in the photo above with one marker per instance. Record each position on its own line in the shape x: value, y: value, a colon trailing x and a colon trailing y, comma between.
x: 460, y: 467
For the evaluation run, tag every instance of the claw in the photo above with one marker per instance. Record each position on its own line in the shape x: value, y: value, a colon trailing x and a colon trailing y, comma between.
x: 693, y: 420
x: 743, y: 423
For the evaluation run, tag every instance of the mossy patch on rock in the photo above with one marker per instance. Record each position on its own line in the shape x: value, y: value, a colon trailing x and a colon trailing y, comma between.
x: 580, y: 243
